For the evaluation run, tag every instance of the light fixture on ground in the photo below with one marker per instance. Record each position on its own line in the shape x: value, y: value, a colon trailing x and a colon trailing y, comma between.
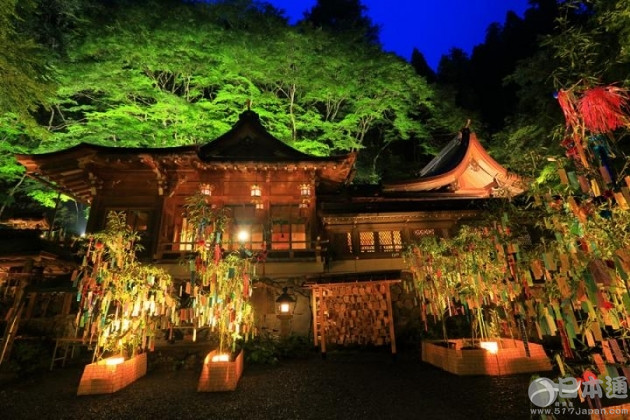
x: 221, y: 357
x: 490, y: 346
x: 285, y: 305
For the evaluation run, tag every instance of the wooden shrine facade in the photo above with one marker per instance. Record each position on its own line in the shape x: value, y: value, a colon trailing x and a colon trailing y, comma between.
x: 302, y: 210
x: 269, y: 188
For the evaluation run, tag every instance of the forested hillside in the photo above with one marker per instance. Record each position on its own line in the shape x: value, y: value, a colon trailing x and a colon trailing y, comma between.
x: 167, y: 73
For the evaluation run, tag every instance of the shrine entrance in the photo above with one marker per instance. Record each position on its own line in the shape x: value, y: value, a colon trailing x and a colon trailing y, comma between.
x: 353, y: 313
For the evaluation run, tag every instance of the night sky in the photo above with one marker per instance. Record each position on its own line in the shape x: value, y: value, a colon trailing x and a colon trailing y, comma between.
x: 432, y: 26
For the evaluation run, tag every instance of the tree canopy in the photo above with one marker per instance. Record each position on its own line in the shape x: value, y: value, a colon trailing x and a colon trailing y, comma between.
x: 167, y: 73
x: 158, y: 74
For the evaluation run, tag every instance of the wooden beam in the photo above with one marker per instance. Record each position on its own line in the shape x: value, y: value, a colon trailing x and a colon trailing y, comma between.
x: 350, y: 283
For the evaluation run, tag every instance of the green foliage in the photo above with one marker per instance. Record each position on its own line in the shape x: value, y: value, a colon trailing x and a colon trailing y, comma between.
x: 261, y: 350
x: 220, y: 285
x: 592, y: 42
x: 47, y: 198
x: 136, y: 79
x: 26, y: 80
x: 123, y: 302
x: 294, y: 347
x: 267, y: 349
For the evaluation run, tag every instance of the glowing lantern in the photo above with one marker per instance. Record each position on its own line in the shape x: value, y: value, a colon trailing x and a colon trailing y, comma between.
x: 305, y: 190
x: 243, y: 236
x: 206, y: 189
x: 285, y: 304
x: 256, y: 191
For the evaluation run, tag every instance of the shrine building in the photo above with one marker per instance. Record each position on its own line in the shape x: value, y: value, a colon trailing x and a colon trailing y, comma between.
x: 302, y: 212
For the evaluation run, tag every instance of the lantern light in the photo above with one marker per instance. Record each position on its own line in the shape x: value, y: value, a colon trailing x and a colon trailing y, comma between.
x: 285, y: 304
x: 206, y: 189
x: 305, y: 190
x: 243, y: 236
x: 256, y: 191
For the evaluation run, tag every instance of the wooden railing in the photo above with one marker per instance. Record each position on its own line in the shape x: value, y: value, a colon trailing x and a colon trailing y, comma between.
x: 295, y: 250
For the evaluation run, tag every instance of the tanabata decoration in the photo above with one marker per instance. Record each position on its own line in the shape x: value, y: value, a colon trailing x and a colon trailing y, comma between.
x: 122, y: 302
x: 220, y: 285
x: 572, y: 281
x: 467, y: 275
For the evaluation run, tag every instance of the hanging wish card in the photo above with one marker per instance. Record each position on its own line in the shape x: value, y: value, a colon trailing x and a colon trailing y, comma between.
x: 563, y: 176
x: 585, y: 186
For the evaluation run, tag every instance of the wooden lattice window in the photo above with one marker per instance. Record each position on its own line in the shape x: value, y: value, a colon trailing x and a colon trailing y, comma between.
x: 390, y: 241
x: 366, y: 242
x: 288, y: 229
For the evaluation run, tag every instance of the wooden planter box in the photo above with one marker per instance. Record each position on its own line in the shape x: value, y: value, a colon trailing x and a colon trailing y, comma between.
x: 509, y: 359
x: 220, y: 376
x: 104, y: 378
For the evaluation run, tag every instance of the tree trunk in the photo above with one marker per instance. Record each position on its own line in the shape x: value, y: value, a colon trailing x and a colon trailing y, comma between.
x: 291, y: 104
x: 12, y: 193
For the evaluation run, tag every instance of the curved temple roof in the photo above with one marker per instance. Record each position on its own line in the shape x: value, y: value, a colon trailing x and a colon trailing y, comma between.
x: 462, y: 169
x: 76, y: 171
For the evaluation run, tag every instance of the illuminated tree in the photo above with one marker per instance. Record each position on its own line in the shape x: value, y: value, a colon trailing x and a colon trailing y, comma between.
x: 220, y: 286
x: 122, y: 302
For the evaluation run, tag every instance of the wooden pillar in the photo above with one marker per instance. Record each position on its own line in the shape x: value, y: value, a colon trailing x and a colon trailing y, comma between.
x: 96, y: 219
x: 314, y: 314
x: 392, y: 335
x: 322, y: 321
x: 32, y: 298
x: 160, y: 221
x: 67, y: 303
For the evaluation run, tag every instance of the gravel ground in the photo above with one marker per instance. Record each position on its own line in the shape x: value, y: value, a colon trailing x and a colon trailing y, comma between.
x: 347, y: 385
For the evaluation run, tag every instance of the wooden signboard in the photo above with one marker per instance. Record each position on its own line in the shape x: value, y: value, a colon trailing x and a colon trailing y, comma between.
x: 353, y: 313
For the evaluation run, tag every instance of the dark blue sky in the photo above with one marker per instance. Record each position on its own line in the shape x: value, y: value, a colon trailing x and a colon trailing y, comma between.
x: 433, y: 26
